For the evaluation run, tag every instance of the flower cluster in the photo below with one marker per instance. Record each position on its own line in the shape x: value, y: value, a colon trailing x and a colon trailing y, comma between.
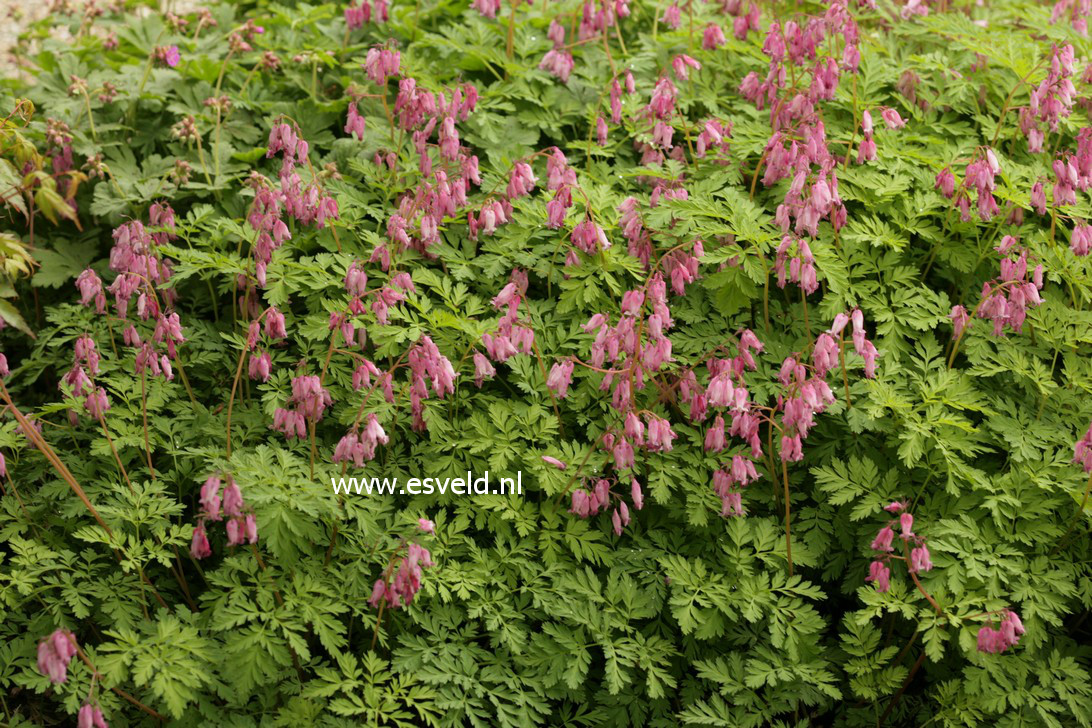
x: 306, y: 405
x: 995, y: 640
x: 558, y: 61
x: 804, y: 395
x: 980, y: 176
x: 1051, y: 100
x: 634, y: 231
x: 867, y: 150
x: 446, y: 180
x: 511, y: 336
x: 357, y: 15
x: 1078, y: 11
x: 261, y: 364
x: 798, y: 45
x: 428, y: 366
x: 219, y: 501
x: 715, y: 137
x: 813, y: 193
x: 587, y: 503
x: 917, y: 558
x: 381, y: 64
x: 142, y: 273
x: 54, y: 654
x: 359, y: 444
x: 79, y: 378
x: 401, y: 590
x: 90, y: 716
x: 597, y: 18
x: 560, y: 179
x: 827, y: 351
x: 1006, y: 299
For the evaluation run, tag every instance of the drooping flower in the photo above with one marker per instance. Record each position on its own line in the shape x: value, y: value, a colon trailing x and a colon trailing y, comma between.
x: 1082, y: 451
x: 560, y: 377
x: 54, y: 654
x: 883, y: 540
x: 90, y: 716
x: 880, y: 575
x: 994, y: 641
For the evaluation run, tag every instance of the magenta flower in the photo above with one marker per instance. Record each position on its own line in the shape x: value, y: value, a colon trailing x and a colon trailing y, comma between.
x: 166, y: 55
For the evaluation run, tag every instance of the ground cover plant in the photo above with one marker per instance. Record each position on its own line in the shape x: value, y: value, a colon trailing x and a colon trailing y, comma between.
x: 781, y: 311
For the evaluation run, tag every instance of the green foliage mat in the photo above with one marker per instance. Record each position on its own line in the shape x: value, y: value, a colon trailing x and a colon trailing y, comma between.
x: 686, y: 599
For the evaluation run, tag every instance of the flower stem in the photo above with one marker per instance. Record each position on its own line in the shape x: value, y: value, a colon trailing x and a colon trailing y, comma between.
x: 788, y: 514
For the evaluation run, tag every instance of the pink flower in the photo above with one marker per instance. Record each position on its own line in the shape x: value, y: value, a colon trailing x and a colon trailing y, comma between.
x: 549, y: 460
x: 636, y: 495
x: 426, y: 525
x: 90, y: 716
x: 994, y: 641
x: 880, y: 574
x: 672, y: 16
x: 825, y: 354
x: 1038, y: 198
x: 210, y: 498
x: 521, y: 181
x: 379, y: 64
x: 892, y: 119
x: 623, y: 454
x: 54, y: 654
x: 959, y: 318
x: 235, y: 533
x: 1081, y: 240
x: 260, y: 367
x: 919, y: 559
x: 712, y: 37
x: 946, y: 182
x: 561, y: 375
x: 199, y: 546
x: 558, y: 63
x: 906, y: 522
x: 682, y: 64
x: 883, y: 540
x: 354, y: 123
x: 166, y: 55
x: 233, y: 499
x: 1082, y: 451
x: 660, y: 435
x: 714, y: 436
x: 483, y: 369
x: 90, y: 287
